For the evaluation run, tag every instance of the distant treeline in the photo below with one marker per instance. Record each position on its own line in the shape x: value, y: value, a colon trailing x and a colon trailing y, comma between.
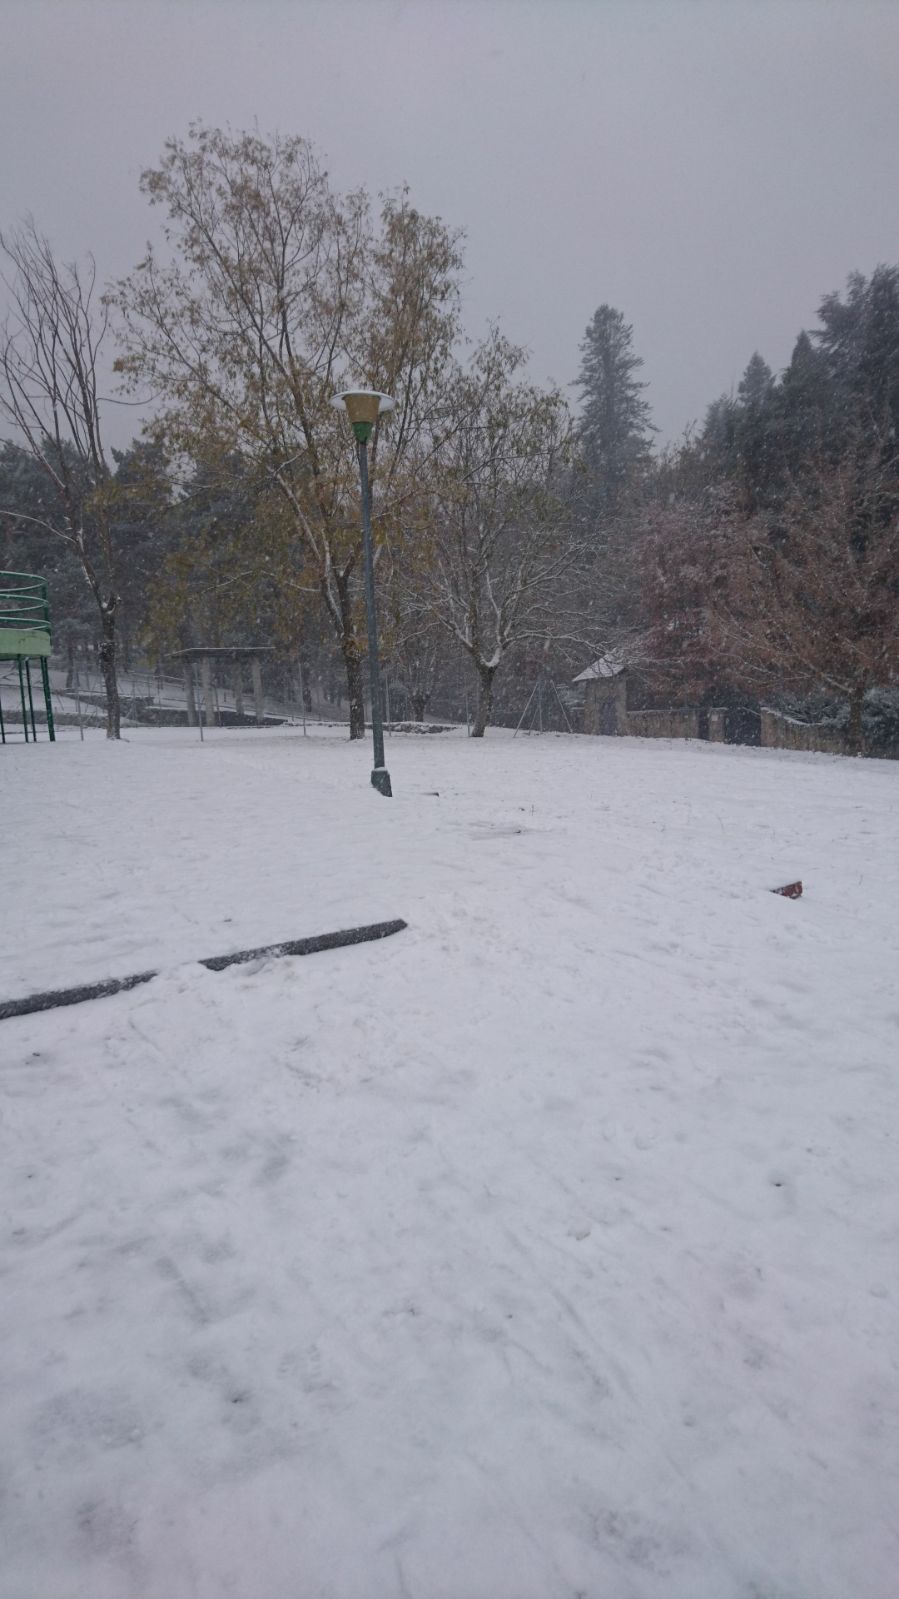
x: 756, y: 560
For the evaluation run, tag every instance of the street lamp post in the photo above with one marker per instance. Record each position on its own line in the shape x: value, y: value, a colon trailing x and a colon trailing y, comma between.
x: 363, y: 407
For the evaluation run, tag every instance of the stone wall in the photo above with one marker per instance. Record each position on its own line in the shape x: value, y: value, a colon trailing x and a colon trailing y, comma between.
x: 605, y: 711
x: 663, y: 724
x: 605, y: 705
x: 781, y: 732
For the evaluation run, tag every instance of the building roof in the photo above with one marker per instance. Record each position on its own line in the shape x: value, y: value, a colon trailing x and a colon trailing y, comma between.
x: 606, y: 666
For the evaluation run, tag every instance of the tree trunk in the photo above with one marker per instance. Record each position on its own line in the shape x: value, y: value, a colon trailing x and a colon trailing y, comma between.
x: 258, y: 697
x: 304, y: 681
x: 854, y: 732
x: 419, y: 705
x: 352, y: 660
x: 108, y: 668
x: 189, y: 696
x: 208, y: 695
x: 486, y: 675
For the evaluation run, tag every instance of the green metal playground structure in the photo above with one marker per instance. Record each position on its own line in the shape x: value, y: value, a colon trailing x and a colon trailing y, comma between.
x: 25, y: 637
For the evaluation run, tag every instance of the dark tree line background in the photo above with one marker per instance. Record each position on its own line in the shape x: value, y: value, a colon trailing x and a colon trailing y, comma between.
x: 768, y: 564
x: 755, y: 561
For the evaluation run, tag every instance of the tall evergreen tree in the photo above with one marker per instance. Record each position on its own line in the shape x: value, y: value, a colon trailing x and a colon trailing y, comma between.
x: 804, y: 403
x: 755, y: 385
x: 615, y: 426
x: 859, y: 338
x: 717, y: 443
x: 754, y: 433
x: 859, y: 341
x: 739, y: 435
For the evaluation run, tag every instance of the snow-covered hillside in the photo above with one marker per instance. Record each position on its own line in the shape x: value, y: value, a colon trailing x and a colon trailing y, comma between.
x: 548, y: 1248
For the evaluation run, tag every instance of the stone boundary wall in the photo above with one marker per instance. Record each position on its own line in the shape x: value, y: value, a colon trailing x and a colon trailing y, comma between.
x: 717, y: 724
x: 605, y: 705
x: 780, y: 732
x: 663, y: 724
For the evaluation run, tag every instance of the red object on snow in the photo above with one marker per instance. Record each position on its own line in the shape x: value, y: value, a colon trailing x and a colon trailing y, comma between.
x: 789, y: 890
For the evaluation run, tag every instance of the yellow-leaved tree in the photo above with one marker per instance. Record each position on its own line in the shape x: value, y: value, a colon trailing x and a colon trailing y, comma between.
x: 277, y: 293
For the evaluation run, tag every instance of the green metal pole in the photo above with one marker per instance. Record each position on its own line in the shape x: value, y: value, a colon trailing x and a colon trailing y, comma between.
x: 45, y: 679
x: 380, y: 777
x: 30, y: 699
x: 2, y: 723
x: 22, y: 698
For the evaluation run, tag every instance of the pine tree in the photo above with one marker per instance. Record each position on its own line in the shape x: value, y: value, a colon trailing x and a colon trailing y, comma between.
x: 615, y: 426
x: 755, y: 430
x: 804, y: 404
x: 718, y: 440
x: 859, y: 339
x: 859, y: 342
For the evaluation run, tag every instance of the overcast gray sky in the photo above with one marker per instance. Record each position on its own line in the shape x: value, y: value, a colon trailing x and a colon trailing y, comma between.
x: 710, y: 167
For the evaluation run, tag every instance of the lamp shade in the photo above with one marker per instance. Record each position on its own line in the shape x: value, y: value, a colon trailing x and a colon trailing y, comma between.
x: 363, y: 405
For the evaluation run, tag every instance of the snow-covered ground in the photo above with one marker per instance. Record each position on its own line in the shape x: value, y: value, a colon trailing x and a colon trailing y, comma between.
x: 547, y: 1248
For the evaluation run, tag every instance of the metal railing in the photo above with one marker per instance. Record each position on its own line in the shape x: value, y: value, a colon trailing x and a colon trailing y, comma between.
x: 23, y: 602
x: 25, y: 633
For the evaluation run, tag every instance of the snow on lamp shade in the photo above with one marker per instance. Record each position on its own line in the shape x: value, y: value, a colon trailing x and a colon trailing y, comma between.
x: 363, y: 405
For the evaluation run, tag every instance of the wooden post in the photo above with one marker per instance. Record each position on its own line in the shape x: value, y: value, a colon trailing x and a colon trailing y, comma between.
x: 189, y: 694
x: 208, y: 697
x: 257, y: 690
x: 302, y: 682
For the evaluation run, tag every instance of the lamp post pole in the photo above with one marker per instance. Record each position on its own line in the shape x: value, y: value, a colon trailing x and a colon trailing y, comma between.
x: 363, y: 407
x: 380, y: 777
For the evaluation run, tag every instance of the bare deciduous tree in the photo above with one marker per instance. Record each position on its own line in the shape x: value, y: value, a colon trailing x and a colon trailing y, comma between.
x: 802, y: 599
x: 49, y: 355
x: 682, y: 559
x: 813, y: 591
x: 493, y: 516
